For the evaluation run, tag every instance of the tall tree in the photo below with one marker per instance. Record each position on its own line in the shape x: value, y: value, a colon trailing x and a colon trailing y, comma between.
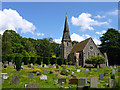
x: 111, y: 44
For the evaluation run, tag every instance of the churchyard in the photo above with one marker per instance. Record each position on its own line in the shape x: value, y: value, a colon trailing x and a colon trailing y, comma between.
x: 55, y: 76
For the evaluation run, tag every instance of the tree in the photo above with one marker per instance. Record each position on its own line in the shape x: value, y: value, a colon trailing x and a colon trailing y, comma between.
x: 111, y: 45
x: 95, y: 60
x: 74, y: 42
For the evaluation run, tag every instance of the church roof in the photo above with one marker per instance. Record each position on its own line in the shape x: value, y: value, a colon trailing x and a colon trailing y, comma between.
x: 80, y: 46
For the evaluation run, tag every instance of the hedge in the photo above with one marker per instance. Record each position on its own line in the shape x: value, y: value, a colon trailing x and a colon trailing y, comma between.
x: 39, y: 60
x: 53, y: 61
x: 46, y: 60
x: 18, y: 62
x: 60, y: 61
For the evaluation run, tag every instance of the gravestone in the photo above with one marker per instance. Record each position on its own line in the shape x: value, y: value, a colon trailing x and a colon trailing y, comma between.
x: 113, y: 71
x: 21, y: 67
x: 1, y: 80
x: 36, y: 86
x: 37, y: 66
x: 85, y: 72
x: 51, y: 66
x: 100, y: 76
x: 15, y: 80
x: 111, y: 82
x: 82, y: 70
x: 98, y: 69
x: 38, y: 73
x: 73, y: 81
x: 81, y: 82
x: 45, y: 66
x: 105, y: 74
x: 22, y: 63
x: 93, y: 82
x: 4, y: 75
x: 78, y: 70
x: 43, y: 77
x: 6, y: 63
x: 64, y: 68
x: 45, y: 71
x: 31, y: 64
x: 10, y: 63
x: 61, y: 80
x: 57, y: 67
x: 72, y: 72
x: 32, y: 68
x: 30, y: 75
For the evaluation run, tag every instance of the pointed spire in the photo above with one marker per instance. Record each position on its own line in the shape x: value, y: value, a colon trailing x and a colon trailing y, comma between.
x: 66, y: 28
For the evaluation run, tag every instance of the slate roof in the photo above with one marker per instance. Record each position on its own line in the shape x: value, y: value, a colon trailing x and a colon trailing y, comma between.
x: 80, y: 46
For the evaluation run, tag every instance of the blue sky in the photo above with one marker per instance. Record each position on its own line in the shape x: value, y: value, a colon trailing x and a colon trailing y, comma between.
x: 42, y: 19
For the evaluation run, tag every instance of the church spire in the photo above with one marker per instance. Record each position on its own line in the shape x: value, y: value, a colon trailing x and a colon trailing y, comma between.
x: 66, y: 34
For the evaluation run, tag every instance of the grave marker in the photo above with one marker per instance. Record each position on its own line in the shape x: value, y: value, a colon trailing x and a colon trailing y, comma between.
x: 30, y: 75
x: 113, y: 71
x: 61, y: 80
x: 100, y: 76
x: 111, y: 82
x: 32, y: 86
x: 81, y: 82
x: 73, y: 81
x: 15, y: 80
x: 93, y: 82
x: 4, y: 75
x: 43, y: 77
x: 78, y: 70
x: 105, y: 74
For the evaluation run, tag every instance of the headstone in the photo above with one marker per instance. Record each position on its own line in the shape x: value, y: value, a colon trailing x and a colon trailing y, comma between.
x: 72, y: 72
x: 43, y: 77
x: 31, y: 64
x: 38, y: 73
x: 6, y: 63
x: 85, y: 72
x: 78, y: 70
x: 87, y: 69
x: 37, y: 66
x: 100, y: 76
x: 21, y: 67
x: 51, y: 66
x: 93, y: 82
x: 111, y: 82
x: 81, y: 82
x: 4, y: 75
x: 113, y: 71
x: 45, y: 66
x: 32, y: 68
x: 1, y: 80
x: 73, y: 81
x: 45, y: 71
x: 98, y: 69
x: 64, y: 68
x: 82, y: 70
x: 57, y: 67
x: 22, y: 63
x: 61, y: 80
x: 36, y: 86
x: 10, y: 63
x: 105, y: 74
x: 15, y: 80
x: 30, y: 75
x: 62, y: 83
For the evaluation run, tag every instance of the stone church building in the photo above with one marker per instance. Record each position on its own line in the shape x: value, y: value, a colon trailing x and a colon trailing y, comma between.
x: 81, y: 50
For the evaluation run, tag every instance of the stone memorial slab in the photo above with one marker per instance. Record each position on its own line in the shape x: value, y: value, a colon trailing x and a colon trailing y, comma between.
x: 22, y: 63
x: 61, y: 80
x: 105, y: 74
x: 43, y: 77
x: 100, y: 76
x: 15, y: 80
x: 45, y: 71
x: 21, y: 67
x: 30, y: 75
x: 37, y: 66
x: 113, y: 71
x: 81, y: 82
x: 72, y: 72
x: 93, y: 82
x: 10, y: 63
x: 6, y: 63
x: 36, y: 86
x: 31, y: 64
x: 78, y: 70
x: 4, y: 75
x: 111, y: 82
x: 64, y: 68
x: 73, y: 81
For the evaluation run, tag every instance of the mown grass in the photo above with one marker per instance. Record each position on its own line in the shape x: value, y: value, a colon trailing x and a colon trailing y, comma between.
x: 50, y: 83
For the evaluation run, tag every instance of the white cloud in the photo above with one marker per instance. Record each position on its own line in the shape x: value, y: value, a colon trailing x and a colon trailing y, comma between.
x: 40, y: 34
x: 58, y: 40
x: 87, y: 36
x: 97, y: 42
x: 86, y: 22
x: 76, y: 37
x: 102, y: 32
x: 99, y: 17
x: 115, y: 12
x: 11, y: 20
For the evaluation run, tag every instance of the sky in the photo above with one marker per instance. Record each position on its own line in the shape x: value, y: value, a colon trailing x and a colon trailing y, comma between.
x: 40, y: 20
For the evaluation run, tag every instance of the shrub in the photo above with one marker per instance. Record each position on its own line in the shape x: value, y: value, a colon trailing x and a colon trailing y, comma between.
x: 4, y: 58
x: 64, y: 72
x: 60, y: 61
x: 26, y: 60
x: 53, y: 61
x: 70, y: 62
x: 65, y: 62
x: 35, y: 70
x: 33, y: 60
x: 39, y: 60
x: 18, y: 61
x: 46, y: 60
x: 113, y: 76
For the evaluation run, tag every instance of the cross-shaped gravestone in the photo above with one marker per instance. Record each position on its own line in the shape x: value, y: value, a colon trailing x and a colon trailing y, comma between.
x: 15, y: 80
x: 100, y: 76
x: 30, y: 75
x: 93, y: 82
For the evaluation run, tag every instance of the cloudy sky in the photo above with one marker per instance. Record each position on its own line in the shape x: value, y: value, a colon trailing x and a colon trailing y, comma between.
x: 43, y: 20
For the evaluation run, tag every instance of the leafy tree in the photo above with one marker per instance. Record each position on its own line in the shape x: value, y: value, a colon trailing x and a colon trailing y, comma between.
x: 111, y: 45
x: 60, y: 61
x: 74, y: 42
x: 95, y: 60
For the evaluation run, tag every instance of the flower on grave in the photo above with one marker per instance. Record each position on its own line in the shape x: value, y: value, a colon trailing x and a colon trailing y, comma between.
x: 36, y: 70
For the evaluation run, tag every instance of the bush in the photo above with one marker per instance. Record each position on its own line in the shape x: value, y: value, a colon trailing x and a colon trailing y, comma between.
x: 60, y: 61
x: 4, y: 58
x: 113, y: 76
x: 18, y: 63
x: 53, y: 61
x: 65, y: 62
x: 39, y: 60
x: 35, y: 70
x: 33, y: 59
x: 26, y: 60
x: 64, y: 72
x: 46, y: 60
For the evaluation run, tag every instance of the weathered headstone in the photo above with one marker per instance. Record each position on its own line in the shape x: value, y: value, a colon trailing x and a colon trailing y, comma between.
x: 15, y: 80
x: 73, y: 81
x: 31, y: 64
x: 93, y: 82
x: 85, y: 72
x: 61, y: 80
x: 45, y: 71
x: 72, y: 72
x: 36, y: 86
x: 4, y: 75
x: 21, y: 67
x: 43, y: 77
x: 81, y: 82
x: 37, y: 66
x: 78, y: 70
x: 30, y: 75
x: 10, y: 63
x: 113, y: 71
x: 111, y: 82
x: 100, y: 76
x: 105, y: 74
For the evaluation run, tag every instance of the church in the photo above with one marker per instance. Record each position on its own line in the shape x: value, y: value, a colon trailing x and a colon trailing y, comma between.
x: 82, y: 50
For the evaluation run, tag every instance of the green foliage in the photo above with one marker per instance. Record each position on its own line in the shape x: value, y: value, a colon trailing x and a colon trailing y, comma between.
x: 70, y: 62
x: 95, y: 60
x: 111, y: 45
x: 33, y: 59
x: 39, y: 60
x: 74, y: 42
x: 60, y: 61
x: 113, y: 76
x: 53, y: 61
x: 26, y: 60
x: 18, y: 62
x: 64, y: 72
x: 65, y: 62
x: 46, y: 60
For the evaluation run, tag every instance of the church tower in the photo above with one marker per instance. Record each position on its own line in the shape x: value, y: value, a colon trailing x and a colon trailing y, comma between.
x: 66, y: 43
